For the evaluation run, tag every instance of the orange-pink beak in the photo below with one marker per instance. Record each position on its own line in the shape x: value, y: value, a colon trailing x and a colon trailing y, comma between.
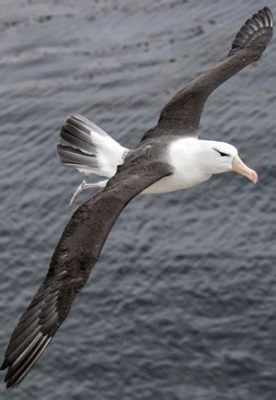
x: 241, y: 168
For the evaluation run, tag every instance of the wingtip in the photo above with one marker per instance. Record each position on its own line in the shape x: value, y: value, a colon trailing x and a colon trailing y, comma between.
x: 10, y: 383
x: 10, y: 386
x: 266, y: 9
x: 20, y: 368
x: 269, y: 15
x: 255, y: 33
x: 4, y: 365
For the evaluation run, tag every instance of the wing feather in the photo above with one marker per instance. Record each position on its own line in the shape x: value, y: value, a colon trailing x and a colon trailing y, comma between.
x: 182, y: 114
x: 76, y: 253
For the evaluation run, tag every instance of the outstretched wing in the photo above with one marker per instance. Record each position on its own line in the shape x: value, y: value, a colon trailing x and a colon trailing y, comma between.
x: 182, y: 114
x: 76, y: 253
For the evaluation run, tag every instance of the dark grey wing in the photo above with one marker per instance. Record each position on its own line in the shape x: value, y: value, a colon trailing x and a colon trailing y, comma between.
x: 76, y: 253
x: 182, y: 114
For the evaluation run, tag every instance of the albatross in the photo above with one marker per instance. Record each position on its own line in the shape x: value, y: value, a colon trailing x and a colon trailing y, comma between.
x: 169, y: 157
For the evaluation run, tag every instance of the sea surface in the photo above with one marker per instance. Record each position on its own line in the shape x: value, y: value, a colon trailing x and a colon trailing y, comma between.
x: 182, y: 304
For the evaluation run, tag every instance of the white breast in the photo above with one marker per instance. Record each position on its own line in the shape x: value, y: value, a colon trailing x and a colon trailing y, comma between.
x: 184, y: 156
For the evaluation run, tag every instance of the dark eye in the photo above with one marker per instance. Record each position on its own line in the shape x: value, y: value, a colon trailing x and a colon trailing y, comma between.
x: 222, y: 154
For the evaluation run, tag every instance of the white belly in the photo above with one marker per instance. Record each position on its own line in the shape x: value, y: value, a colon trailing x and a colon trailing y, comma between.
x: 184, y: 158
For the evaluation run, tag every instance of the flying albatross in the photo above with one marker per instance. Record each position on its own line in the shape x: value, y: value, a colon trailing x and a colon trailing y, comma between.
x: 169, y: 157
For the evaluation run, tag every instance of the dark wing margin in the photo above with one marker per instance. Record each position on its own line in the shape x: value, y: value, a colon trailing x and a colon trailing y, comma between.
x: 76, y: 253
x: 182, y: 114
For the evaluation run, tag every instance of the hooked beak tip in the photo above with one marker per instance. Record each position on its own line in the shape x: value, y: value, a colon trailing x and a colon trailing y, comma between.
x: 254, y: 177
x: 241, y: 168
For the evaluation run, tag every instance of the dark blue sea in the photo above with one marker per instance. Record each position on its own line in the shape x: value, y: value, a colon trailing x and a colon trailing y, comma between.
x: 182, y: 304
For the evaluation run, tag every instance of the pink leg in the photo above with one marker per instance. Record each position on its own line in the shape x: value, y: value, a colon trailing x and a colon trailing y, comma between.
x: 83, y: 186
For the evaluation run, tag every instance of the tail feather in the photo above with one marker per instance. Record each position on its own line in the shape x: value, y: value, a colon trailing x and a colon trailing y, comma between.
x: 85, y: 124
x: 76, y: 158
x: 76, y: 138
x: 88, y: 148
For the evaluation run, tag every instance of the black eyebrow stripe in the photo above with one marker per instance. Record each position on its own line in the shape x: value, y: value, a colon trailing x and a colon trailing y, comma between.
x: 221, y: 153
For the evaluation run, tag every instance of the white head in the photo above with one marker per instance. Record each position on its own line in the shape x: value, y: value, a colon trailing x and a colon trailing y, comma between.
x: 218, y: 157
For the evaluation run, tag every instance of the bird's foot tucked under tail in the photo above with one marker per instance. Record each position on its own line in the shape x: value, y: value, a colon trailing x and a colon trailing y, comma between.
x: 83, y: 186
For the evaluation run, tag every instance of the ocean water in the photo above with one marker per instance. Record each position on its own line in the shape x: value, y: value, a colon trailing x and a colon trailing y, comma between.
x: 182, y: 304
